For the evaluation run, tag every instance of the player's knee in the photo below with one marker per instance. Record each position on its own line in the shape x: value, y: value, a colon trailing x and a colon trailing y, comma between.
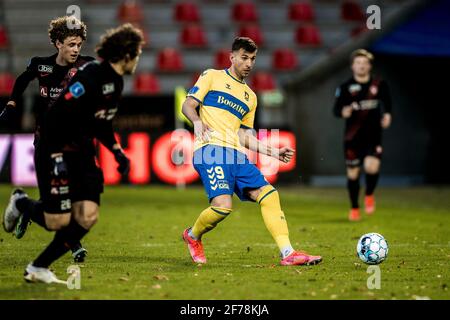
x: 372, y: 166
x: 223, y: 202
x: 88, y: 219
x: 353, y: 173
x: 55, y: 222
x: 85, y: 213
x: 254, y: 194
x: 228, y: 206
x: 372, y: 170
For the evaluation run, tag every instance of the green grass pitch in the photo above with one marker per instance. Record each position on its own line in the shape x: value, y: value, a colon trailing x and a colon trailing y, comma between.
x: 136, y: 251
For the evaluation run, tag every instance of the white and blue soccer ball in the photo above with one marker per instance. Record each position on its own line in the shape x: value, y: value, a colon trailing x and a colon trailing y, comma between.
x: 372, y: 248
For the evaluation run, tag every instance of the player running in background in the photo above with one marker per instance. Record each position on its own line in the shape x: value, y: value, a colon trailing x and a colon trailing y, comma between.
x: 83, y: 112
x: 67, y: 34
x: 364, y: 101
x: 224, y: 124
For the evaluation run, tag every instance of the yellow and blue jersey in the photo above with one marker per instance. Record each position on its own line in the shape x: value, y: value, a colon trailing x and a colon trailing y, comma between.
x: 226, y: 104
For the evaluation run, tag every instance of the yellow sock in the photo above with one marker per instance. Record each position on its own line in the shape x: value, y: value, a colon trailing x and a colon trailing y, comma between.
x: 274, y: 218
x: 208, y: 220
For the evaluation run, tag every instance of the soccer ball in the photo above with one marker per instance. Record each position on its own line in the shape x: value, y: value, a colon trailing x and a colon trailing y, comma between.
x: 372, y: 248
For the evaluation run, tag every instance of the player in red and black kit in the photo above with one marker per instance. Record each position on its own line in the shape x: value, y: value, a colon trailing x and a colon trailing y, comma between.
x: 364, y: 101
x: 83, y: 112
x: 53, y: 74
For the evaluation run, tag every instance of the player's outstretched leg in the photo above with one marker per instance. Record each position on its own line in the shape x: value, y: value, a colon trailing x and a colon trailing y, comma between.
x: 12, y: 214
x: 275, y: 222
x: 32, y: 210
x: 207, y: 221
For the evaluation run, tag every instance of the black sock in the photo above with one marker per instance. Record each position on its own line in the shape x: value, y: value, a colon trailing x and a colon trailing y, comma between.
x: 371, y: 183
x: 353, y: 191
x: 33, y: 208
x: 64, y: 239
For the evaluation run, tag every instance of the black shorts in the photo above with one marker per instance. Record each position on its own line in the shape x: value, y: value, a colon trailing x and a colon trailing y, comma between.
x: 355, y: 153
x: 84, y: 181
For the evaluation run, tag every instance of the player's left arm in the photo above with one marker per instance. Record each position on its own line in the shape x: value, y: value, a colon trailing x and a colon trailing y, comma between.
x: 105, y: 134
x: 386, y: 102
x: 249, y: 140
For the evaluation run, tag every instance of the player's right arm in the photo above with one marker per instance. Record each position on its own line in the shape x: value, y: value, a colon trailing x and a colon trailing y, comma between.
x: 23, y: 81
x: 194, y: 99
x: 341, y: 108
x: 201, y: 129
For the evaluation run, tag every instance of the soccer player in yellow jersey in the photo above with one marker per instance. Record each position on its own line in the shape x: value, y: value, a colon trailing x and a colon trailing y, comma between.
x: 222, y: 128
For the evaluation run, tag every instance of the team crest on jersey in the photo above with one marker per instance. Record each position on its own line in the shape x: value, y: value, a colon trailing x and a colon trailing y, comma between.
x: 43, y: 92
x: 45, y: 68
x: 108, y: 88
x: 373, y: 90
x: 77, y: 90
x: 354, y: 88
x: 72, y: 72
x: 246, y: 96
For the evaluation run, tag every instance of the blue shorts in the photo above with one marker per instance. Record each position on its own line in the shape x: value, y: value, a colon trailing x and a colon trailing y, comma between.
x: 226, y: 171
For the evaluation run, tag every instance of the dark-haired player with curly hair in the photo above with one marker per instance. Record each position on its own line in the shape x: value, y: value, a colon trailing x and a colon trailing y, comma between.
x: 54, y: 72
x: 83, y: 112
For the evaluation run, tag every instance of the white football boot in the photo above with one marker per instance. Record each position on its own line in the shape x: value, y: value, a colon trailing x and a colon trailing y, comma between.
x: 36, y: 274
x: 11, y: 213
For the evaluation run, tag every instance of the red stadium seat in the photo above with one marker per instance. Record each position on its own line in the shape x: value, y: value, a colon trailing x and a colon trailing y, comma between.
x: 244, y: 12
x: 170, y: 60
x: 130, y: 11
x: 262, y: 81
x: 222, y: 59
x: 6, y: 83
x: 193, y: 36
x: 284, y: 59
x: 308, y: 35
x: 253, y: 31
x: 186, y: 12
x: 351, y: 11
x: 146, y: 83
x: 4, y: 41
x: 301, y: 11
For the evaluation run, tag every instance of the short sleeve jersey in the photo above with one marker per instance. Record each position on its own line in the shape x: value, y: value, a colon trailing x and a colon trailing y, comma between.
x: 226, y: 104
